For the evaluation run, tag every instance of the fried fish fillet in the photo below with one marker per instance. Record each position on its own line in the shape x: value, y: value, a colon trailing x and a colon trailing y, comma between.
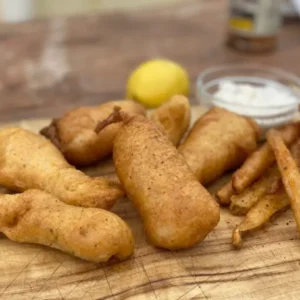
x: 173, y: 117
x: 74, y: 133
x: 219, y: 141
x: 89, y: 233
x: 176, y: 209
x: 30, y: 161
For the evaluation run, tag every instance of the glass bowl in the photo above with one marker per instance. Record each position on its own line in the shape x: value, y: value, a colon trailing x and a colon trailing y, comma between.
x: 266, y: 114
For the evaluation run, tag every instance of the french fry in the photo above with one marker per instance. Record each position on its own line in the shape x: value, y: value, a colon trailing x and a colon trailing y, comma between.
x: 242, y: 203
x: 260, y: 214
x: 289, y: 171
x: 272, y: 203
x: 256, y: 164
x: 224, y: 194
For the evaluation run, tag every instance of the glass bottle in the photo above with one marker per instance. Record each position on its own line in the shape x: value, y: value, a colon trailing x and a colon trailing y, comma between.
x: 253, y: 25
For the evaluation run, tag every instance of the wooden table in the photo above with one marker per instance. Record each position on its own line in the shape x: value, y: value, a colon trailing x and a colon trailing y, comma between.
x: 48, y: 67
x: 267, y: 267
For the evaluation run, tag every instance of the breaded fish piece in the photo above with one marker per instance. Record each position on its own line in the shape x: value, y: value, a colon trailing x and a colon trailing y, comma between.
x: 176, y: 209
x: 88, y: 233
x: 218, y: 142
x: 30, y: 161
x: 173, y: 117
x: 74, y: 133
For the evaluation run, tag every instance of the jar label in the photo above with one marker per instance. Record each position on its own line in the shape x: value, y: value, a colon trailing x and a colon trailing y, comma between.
x: 255, y: 18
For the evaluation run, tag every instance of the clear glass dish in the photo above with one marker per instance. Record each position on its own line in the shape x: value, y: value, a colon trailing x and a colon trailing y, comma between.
x: 266, y: 114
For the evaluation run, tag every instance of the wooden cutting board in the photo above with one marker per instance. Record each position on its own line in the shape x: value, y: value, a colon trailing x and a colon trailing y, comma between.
x: 268, y: 267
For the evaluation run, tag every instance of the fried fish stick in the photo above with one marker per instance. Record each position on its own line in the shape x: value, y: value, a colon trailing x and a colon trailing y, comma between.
x: 176, y: 209
x: 224, y: 194
x: 219, y: 141
x: 266, y: 207
x: 288, y: 169
x: 28, y: 160
x: 88, y: 233
x: 74, y: 133
x: 242, y: 203
x: 173, y: 117
x: 261, y: 159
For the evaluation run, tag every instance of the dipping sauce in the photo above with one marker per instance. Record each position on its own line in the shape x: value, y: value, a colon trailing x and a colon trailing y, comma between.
x: 273, y: 102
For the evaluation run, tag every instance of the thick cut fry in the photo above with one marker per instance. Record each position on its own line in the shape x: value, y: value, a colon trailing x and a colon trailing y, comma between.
x: 269, y: 204
x: 89, y: 233
x: 257, y: 163
x: 224, y: 194
x: 176, y: 210
x: 173, y: 117
x: 289, y: 171
x: 260, y: 214
x: 242, y: 203
x: 219, y: 141
x: 74, y: 133
x: 28, y: 160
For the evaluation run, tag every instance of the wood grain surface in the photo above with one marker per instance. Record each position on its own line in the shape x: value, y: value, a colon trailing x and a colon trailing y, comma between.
x: 266, y: 268
x: 49, y: 66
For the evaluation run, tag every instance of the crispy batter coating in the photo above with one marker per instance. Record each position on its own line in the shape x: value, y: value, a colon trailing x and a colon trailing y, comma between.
x: 28, y: 160
x: 176, y: 210
x: 89, y: 233
x: 173, y: 117
x: 257, y: 163
x: 74, y: 133
x: 219, y: 141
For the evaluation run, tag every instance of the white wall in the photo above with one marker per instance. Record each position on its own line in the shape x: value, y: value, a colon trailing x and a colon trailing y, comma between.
x: 21, y: 10
x: 16, y: 10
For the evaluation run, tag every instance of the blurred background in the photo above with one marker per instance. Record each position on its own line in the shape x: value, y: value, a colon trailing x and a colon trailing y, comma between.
x: 56, y: 55
x: 20, y: 10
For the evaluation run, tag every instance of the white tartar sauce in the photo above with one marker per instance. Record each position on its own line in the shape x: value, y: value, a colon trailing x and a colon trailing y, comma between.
x: 271, y: 104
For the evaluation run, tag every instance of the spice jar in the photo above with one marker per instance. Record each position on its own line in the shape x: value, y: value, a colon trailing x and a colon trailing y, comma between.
x: 254, y: 25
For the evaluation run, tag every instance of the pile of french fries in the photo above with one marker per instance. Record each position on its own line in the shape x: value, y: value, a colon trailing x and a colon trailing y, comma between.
x: 266, y: 184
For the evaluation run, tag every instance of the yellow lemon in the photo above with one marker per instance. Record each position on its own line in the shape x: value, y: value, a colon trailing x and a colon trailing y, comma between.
x: 155, y: 81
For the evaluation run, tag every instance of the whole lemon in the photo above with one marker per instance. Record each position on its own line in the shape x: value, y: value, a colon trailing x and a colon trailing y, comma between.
x: 156, y: 81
